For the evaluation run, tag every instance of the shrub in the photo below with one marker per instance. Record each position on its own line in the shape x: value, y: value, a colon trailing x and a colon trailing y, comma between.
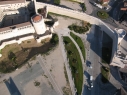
x: 88, y: 24
x: 83, y: 7
x: 102, y: 14
x: 57, y: 2
x: 36, y: 83
x: 78, y: 29
x: 54, y: 39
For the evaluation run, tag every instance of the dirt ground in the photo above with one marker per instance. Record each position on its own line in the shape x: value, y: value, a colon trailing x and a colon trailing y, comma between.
x: 23, y: 52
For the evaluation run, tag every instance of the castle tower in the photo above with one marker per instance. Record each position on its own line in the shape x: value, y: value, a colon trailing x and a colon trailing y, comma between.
x: 38, y: 23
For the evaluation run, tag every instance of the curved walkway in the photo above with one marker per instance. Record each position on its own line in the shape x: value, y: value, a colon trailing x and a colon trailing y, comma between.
x: 66, y: 32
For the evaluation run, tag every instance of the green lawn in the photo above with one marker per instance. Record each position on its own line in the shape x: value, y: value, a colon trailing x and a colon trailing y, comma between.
x: 75, y: 63
x: 105, y: 74
x: 102, y: 14
x: 80, y: 44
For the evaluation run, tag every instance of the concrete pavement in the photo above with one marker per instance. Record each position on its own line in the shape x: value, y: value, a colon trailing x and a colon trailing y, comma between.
x: 89, y: 8
x: 40, y: 60
x: 67, y: 33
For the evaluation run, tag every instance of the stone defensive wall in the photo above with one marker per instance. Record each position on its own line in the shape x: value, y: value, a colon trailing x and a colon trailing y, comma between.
x: 85, y: 17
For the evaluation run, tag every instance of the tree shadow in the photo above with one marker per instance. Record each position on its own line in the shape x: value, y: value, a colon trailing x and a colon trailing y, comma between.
x: 12, y: 87
x: 38, y: 50
x: 63, y: 6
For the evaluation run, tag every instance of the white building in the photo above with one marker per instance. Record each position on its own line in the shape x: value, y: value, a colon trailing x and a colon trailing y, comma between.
x: 120, y: 57
x: 16, y: 33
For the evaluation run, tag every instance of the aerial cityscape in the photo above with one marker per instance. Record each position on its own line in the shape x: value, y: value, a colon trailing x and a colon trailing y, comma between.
x: 63, y: 47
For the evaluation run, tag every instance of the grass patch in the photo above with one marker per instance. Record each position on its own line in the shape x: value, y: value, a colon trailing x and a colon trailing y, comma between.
x: 14, y: 57
x: 106, y: 55
x: 55, y: 14
x: 102, y: 14
x: 78, y: 29
x: 80, y: 44
x: 75, y: 63
x: 105, y: 74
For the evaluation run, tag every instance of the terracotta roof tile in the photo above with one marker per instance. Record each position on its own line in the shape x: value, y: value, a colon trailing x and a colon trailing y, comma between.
x: 36, y: 18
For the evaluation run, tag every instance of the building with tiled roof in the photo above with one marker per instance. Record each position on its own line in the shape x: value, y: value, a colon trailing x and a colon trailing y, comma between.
x: 15, y: 24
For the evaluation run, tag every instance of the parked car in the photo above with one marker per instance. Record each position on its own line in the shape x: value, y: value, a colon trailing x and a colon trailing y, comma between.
x: 91, y: 81
x: 91, y: 84
x: 91, y: 78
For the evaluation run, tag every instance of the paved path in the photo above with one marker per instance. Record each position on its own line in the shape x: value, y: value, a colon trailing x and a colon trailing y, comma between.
x: 89, y: 8
x: 64, y: 32
x: 40, y: 60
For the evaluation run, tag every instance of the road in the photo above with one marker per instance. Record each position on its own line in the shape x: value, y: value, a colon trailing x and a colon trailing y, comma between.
x: 89, y: 8
x: 95, y: 54
x: 94, y: 39
x: 114, y: 14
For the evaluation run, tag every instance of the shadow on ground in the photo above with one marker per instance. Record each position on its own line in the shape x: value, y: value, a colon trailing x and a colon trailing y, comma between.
x: 12, y: 87
x: 99, y: 88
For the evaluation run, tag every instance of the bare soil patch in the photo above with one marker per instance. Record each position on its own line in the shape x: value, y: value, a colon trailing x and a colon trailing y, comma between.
x: 23, y: 52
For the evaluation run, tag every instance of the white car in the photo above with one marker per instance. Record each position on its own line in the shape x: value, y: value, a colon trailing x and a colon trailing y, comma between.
x: 91, y: 83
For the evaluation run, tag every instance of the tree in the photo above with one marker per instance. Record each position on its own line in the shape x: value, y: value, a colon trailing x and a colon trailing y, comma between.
x: 54, y: 39
x: 74, y: 60
x: 57, y: 2
x: 69, y: 52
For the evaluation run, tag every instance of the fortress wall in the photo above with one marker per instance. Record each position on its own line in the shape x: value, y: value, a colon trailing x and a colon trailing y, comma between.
x: 15, y: 41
